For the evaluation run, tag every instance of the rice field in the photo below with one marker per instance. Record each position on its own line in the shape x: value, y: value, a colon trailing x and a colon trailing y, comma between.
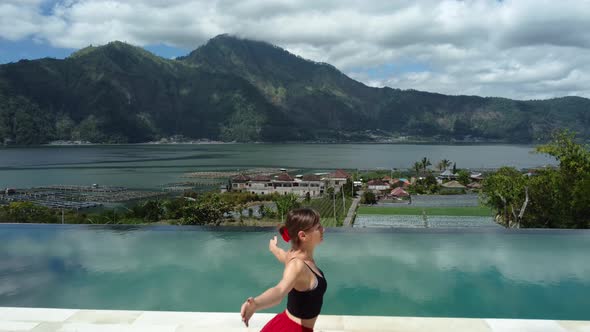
x: 476, y: 211
x: 416, y: 221
x: 327, y: 206
x: 438, y: 200
x: 431, y: 211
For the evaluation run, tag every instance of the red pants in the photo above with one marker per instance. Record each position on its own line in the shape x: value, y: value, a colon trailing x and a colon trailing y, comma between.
x: 282, y: 323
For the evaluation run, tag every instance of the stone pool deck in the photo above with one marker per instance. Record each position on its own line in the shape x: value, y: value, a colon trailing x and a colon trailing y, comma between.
x: 70, y: 320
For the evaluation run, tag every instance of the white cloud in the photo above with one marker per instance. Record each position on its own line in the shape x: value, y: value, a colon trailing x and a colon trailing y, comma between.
x: 517, y: 49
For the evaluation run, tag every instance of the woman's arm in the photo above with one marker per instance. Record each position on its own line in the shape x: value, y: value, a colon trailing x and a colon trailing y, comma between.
x: 274, y: 295
x: 279, y: 253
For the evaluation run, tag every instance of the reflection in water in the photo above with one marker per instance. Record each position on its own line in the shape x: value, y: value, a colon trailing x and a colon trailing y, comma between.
x: 483, y: 274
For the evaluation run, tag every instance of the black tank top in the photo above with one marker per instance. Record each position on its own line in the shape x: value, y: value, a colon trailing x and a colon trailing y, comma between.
x: 308, y: 304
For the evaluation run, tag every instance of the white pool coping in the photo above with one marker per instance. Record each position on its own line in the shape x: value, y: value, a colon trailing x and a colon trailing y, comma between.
x: 75, y: 320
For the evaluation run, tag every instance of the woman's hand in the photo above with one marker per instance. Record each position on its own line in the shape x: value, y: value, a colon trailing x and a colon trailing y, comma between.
x: 279, y: 253
x: 272, y: 245
x: 248, y: 309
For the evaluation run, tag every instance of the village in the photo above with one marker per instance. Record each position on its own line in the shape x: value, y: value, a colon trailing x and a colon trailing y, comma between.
x: 316, y: 184
x: 374, y: 198
x: 253, y: 196
x: 420, y: 196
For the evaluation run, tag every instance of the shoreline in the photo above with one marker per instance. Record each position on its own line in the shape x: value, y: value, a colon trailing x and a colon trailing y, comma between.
x: 436, y: 143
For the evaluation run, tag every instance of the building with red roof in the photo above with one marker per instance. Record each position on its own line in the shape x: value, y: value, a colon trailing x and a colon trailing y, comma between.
x: 336, y: 179
x: 239, y: 182
x: 399, y: 192
x: 282, y: 183
x: 377, y: 186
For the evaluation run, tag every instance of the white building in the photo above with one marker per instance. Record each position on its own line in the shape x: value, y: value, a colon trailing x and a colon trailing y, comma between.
x: 377, y: 185
x: 282, y: 184
x: 336, y: 179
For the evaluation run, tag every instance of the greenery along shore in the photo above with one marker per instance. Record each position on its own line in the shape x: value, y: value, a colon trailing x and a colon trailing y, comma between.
x: 230, y: 208
x: 556, y: 197
x: 233, y: 89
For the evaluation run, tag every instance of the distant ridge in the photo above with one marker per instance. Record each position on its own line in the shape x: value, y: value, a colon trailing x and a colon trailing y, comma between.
x: 235, y: 89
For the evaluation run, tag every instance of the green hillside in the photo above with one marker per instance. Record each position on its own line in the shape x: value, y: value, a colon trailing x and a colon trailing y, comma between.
x: 234, y: 89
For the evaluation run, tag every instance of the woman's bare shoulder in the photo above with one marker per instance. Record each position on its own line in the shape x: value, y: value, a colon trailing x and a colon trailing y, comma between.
x: 295, y: 261
x: 289, y: 256
x: 296, y: 265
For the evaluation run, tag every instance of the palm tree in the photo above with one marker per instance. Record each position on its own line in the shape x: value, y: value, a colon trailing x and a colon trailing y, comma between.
x: 443, y: 164
x: 417, y: 167
x: 425, y: 163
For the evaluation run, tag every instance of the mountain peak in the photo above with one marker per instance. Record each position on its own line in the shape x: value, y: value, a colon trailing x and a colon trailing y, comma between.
x: 252, y: 58
x: 224, y: 36
x: 91, y: 48
x: 122, y: 54
x: 224, y: 44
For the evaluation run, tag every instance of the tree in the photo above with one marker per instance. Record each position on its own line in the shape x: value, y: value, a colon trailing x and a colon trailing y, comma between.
x: 266, y: 212
x: 426, y: 185
x: 89, y: 130
x: 208, y: 209
x: 443, y: 164
x: 546, y: 208
x: 551, y: 197
x: 173, y: 207
x: 24, y: 212
x: 239, y: 208
x: 425, y: 162
x: 580, y: 203
x: 573, y: 158
x: 573, y: 176
x: 369, y: 198
x: 417, y: 167
x: 286, y: 203
x: 28, y: 122
x: 463, y: 177
x: 153, y: 210
x: 63, y: 127
x: 262, y: 210
x: 506, y: 192
x: 330, y: 191
x: 348, y: 188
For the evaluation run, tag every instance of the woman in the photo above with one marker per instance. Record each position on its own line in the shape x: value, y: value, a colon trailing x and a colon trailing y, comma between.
x: 302, y: 280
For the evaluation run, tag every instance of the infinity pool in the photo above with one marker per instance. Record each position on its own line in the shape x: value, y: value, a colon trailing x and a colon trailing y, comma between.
x: 393, y: 272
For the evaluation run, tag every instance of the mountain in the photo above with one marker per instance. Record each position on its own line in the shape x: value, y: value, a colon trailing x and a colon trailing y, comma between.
x: 235, y: 89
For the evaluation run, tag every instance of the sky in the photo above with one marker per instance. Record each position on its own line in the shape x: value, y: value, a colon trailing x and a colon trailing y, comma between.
x: 525, y: 49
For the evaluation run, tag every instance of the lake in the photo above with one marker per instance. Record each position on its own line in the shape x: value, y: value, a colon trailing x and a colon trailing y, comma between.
x: 146, y: 166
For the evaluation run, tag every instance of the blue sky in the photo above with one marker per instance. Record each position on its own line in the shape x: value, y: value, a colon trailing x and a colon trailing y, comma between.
x: 525, y: 49
x: 13, y: 51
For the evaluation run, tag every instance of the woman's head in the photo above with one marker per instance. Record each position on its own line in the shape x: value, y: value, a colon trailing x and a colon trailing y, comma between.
x: 302, y: 226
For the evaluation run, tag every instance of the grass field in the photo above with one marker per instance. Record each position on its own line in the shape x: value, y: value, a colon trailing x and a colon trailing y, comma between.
x: 479, y: 211
x: 325, y: 206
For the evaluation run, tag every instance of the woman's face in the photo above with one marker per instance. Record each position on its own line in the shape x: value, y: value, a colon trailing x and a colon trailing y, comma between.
x: 316, y: 234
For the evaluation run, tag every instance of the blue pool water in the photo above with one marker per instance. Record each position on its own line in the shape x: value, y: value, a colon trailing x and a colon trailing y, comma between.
x: 394, y: 272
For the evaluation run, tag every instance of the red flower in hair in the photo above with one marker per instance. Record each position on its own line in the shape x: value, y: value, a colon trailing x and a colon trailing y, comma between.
x: 285, y: 235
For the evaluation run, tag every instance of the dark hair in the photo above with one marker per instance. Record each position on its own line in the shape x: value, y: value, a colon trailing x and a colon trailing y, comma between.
x: 299, y: 220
